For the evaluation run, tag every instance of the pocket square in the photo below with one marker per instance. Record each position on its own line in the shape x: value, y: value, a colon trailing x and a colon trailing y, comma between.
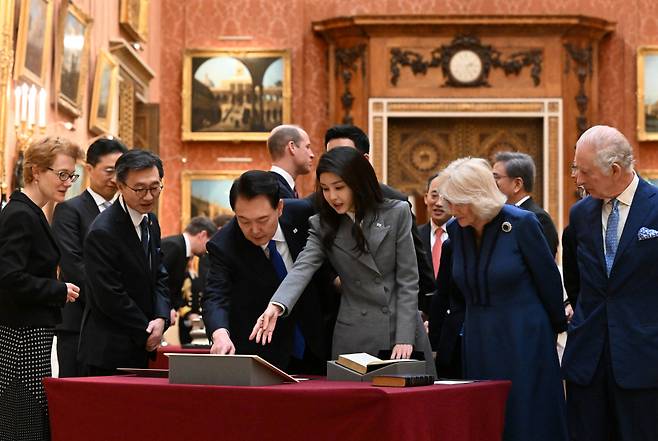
x: 646, y: 233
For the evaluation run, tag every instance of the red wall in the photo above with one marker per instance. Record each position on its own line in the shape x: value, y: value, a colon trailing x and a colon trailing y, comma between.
x: 278, y: 24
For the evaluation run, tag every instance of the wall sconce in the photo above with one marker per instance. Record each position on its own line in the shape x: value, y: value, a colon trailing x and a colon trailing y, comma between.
x: 29, y: 120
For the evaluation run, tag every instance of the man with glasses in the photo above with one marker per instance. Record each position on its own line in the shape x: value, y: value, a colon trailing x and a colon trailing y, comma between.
x: 127, y: 307
x: 71, y: 222
x: 291, y: 153
x: 514, y: 173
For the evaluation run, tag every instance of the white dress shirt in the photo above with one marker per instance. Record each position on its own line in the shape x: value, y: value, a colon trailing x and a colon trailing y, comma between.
x: 625, y: 200
x: 444, y: 234
x: 522, y: 200
x: 100, y: 200
x: 135, y: 216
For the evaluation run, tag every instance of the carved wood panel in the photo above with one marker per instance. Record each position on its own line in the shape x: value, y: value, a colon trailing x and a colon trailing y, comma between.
x: 419, y: 147
x: 126, y: 111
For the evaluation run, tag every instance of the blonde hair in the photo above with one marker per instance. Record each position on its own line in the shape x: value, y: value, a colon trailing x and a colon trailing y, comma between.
x: 42, y: 153
x: 469, y: 181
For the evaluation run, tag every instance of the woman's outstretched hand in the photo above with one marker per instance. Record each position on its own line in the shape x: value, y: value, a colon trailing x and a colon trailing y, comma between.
x: 264, y: 327
x: 401, y: 351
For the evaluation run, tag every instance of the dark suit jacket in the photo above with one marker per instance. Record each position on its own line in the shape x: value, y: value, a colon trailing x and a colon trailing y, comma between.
x: 242, y: 280
x: 71, y: 222
x: 425, y: 273
x: 124, y: 293
x: 175, y: 261
x: 570, y: 273
x: 285, y: 192
x: 547, y: 225
x: 446, y: 313
x: 621, y: 309
x: 30, y: 294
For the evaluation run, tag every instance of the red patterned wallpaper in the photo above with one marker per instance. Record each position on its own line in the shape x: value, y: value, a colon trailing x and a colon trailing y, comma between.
x: 287, y: 24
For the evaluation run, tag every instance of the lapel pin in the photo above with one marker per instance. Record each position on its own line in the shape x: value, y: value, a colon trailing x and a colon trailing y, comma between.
x: 294, y: 230
x: 379, y: 225
x: 506, y: 227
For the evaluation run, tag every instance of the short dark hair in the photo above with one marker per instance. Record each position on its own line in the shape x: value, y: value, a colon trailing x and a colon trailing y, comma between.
x: 357, y: 173
x: 348, y: 131
x: 221, y: 219
x: 137, y: 160
x: 255, y: 183
x: 279, y: 139
x: 102, y: 147
x: 518, y: 165
x: 199, y: 224
x: 430, y: 179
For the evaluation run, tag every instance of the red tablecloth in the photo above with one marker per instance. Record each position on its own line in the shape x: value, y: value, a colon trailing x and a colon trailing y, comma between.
x: 130, y: 408
x: 162, y: 362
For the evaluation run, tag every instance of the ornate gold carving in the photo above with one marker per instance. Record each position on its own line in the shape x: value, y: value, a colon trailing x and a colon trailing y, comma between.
x: 553, y: 169
x: 378, y: 107
x: 465, y: 107
x: 553, y: 107
x: 127, y: 111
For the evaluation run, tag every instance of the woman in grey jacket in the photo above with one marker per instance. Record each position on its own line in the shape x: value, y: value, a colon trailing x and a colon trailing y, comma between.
x: 367, y: 239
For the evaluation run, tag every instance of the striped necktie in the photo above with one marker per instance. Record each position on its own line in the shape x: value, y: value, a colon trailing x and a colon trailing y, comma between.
x: 611, y: 241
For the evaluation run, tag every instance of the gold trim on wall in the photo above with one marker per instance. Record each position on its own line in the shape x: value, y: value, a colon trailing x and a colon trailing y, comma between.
x: 105, y: 64
x: 190, y: 54
x: 6, y: 64
x: 136, y: 25
x: 465, y: 107
x: 21, y: 70
x: 642, y: 108
x: 187, y: 177
x: 73, y: 105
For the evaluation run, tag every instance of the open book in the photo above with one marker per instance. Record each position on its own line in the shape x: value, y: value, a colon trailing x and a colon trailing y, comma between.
x: 363, y: 363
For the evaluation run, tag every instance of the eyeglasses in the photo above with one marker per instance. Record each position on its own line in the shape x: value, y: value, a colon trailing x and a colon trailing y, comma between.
x: 496, y: 176
x: 109, y: 170
x: 141, y: 192
x: 64, y: 176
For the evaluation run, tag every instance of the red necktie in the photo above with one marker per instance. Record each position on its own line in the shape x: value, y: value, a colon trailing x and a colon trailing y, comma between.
x: 436, y: 250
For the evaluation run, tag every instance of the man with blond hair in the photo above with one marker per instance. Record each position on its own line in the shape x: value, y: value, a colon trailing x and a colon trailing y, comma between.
x: 292, y: 156
x: 612, y: 351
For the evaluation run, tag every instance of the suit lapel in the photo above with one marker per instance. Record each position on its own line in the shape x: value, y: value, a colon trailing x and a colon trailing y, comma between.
x: 595, y: 223
x: 130, y: 232
x: 640, y: 210
x: 90, y: 205
x: 375, y: 231
x: 292, y: 236
x: 346, y: 242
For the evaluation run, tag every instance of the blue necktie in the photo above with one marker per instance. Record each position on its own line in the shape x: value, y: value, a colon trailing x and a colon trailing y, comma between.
x: 611, y: 241
x: 144, y: 227
x: 298, y: 343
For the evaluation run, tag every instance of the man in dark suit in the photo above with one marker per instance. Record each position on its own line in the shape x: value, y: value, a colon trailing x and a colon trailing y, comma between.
x: 612, y: 350
x: 345, y: 135
x: 127, y: 307
x: 246, y: 258
x: 71, y: 221
x: 292, y: 156
x: 514, y: 173
x: 177, y: 251
x: 434, y: 233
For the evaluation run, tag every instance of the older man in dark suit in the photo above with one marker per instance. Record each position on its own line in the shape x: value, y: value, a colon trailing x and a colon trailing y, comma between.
x: 127, y: 297
x: 514, y: 173
x: 612, y: 351
x: 246, y: 258
x: 71, y: 222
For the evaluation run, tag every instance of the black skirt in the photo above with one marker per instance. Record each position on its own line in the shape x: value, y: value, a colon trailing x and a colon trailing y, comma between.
x: 24, y: 362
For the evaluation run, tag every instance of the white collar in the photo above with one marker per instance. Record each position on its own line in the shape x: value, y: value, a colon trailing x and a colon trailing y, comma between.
x: 188, y: 245
x: 278, y: 237
x: 436, y: 227
x: 100, y: 200
x: 522, y: 200
x: 626, y: 196
x: 135, y: 216
x: 287, y: 176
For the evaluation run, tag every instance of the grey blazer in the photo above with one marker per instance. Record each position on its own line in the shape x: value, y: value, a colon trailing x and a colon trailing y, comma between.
x: 379, y: 302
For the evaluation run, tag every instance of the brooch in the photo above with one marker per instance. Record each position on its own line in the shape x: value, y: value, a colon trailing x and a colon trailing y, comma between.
x: 506, y: 227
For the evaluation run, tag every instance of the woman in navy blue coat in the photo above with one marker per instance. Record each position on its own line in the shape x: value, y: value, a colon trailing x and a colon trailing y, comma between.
x: 513, y: 291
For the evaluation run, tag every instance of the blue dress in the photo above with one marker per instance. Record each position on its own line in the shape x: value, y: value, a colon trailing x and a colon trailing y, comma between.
x: 514, y: 310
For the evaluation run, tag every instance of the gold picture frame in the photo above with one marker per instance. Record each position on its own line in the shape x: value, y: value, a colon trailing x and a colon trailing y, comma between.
x: 650, y: 176
x: 206, y: 193
x: 33, y: 41
x: 235, y: 94
x: 133, y: 18
x: 647, y: 93
x: 72, y: 60
x: 104, y: 93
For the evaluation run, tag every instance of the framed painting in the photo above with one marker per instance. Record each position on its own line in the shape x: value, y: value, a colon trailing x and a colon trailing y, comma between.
x: 647, y: 93
x: 33, y: 41
x: 234, y: 95
x: 206, y: 193
x: 650, y: 176
x: 133, y: 18
x: 104, y: 94
x: 72, y: 61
